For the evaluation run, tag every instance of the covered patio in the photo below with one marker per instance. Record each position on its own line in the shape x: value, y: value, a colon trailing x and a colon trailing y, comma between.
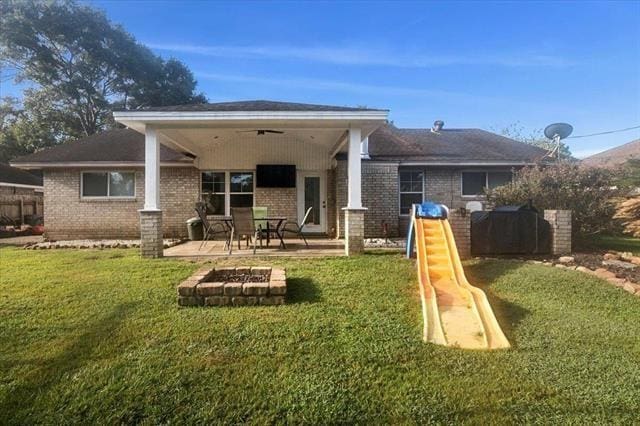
x: 228, y: 138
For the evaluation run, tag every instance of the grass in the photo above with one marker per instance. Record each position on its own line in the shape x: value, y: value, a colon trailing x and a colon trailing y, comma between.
x: 617, y: 243
x: 96, y: 337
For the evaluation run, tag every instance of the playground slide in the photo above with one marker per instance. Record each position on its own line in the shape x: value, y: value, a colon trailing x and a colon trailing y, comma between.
x: 455, y: 312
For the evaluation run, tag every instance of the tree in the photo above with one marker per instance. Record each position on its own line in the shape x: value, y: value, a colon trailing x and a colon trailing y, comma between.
x: 536, y: 138
x: 587, y: 192
x: 84, y: 65
x: 33, y: 124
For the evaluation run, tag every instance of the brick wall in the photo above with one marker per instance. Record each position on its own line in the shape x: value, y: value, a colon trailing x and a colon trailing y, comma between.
x: 461, y: 228
x: 444, y: 185
x: 69, y: 217
x: 279, y: 201
x: 379, y: 196
x: 560, y: 221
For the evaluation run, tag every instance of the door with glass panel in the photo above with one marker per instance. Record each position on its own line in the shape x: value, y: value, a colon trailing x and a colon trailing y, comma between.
x: 312, y: 193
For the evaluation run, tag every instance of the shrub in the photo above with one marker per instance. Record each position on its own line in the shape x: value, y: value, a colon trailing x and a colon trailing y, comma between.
x: 628, y: 213
x: 586, y: 191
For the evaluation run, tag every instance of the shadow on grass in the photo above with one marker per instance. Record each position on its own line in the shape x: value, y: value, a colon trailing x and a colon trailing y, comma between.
x: 47, y: 372
x: 302, y: 290
x: 482, y: 275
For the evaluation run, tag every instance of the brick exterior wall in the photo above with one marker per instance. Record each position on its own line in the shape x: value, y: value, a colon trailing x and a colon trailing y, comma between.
x: 278, y: 201
x: 379, y: 196
x: 67, y: 216
x: 444, y: 185
x: 560, y: 221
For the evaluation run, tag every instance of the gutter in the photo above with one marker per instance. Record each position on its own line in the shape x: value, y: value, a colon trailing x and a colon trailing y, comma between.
x: 22, y: 185
x: 93, y: 164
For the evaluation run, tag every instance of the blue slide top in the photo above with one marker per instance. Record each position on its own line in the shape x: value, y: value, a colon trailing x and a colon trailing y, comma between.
x: 430, y: 210
x: 426, y: 210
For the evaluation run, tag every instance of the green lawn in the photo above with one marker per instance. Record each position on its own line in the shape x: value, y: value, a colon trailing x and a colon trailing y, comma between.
x: 96, y: 337
x: 617, y: 243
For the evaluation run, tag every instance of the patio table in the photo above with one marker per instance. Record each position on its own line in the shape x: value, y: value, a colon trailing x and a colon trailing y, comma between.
x: 278, y: 220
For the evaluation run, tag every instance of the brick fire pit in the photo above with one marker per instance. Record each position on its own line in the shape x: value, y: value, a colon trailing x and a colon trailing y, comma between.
x: 241, y: 286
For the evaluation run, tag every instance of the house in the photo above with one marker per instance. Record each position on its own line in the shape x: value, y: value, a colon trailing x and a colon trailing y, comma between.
x: 615, y: 157
x: 21, y: 194
x: 358, y: 172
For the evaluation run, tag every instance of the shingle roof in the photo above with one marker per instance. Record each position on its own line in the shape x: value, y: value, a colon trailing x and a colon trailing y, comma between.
x: 615, y: 156
x: 387, y: 143
x: 257, y: 105
x: 117, y: 145
x: 448, y: 145
x: 10, y: 174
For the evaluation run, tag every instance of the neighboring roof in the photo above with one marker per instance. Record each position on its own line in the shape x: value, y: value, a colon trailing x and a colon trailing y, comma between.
x: 111, y: 146
x: 11, y: 175
x: 449, y: 146
x: 615, y: 156
x: 258, y: 105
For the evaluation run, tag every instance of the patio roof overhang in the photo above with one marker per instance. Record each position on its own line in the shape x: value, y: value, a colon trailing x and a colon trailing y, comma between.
x: 191, y: 131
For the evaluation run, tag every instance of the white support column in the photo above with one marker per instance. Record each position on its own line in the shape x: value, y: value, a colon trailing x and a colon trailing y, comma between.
x: 151, y: 243
x: 354, y: 212
x: 151, y: 170
x: 354, y: 187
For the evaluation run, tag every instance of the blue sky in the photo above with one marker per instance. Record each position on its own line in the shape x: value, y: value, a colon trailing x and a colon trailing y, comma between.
x: 471, y: 64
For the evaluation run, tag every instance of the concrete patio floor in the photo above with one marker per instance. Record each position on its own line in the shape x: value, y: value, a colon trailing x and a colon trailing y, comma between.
x: 318, y: 247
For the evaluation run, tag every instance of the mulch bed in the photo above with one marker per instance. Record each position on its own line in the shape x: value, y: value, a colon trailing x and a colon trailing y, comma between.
x: 594, y: 261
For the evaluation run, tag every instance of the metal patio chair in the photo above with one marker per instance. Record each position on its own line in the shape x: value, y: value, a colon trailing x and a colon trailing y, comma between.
x: 210, y: 229
x: 244, y: 226
x: 293, y: 227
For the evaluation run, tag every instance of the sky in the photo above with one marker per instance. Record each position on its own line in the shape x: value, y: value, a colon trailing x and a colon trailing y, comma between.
x: 477, y: 64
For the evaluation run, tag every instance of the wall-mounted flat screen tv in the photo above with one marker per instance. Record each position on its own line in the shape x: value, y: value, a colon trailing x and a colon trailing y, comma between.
x: 275, y: 176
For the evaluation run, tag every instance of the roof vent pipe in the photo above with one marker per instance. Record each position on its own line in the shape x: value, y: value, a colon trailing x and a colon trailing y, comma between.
x: 437, y: 126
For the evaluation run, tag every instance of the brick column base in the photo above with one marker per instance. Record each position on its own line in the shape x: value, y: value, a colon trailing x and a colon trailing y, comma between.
x: 461, y: 228
x: 560, y: 221
x: 151, y: 243
x: 353, y: 231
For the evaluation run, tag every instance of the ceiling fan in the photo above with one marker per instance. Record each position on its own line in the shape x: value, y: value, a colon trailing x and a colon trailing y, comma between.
x: 261, y: 132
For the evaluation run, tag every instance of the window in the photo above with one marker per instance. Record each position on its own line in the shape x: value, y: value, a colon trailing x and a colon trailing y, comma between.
x: 411, y: 189
x: 475, y: 183
x: 223, y: 190
x: 213, y: 192
x: 108, y: 184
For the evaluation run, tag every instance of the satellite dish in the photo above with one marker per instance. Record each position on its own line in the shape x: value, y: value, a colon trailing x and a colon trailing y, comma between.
x: 558, y: 130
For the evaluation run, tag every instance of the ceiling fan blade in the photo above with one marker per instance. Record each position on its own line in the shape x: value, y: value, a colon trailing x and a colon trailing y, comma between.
x: 260, y: 132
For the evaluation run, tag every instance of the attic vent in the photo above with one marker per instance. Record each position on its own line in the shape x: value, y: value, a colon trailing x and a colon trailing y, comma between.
x: 437, y: 126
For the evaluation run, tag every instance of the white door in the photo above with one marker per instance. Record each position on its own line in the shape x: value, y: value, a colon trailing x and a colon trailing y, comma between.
x: 312, y: 193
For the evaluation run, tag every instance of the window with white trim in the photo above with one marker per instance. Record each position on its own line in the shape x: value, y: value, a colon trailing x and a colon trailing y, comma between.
x: 223, y: 190
x: 476, y: 183
x: 110, y: 184
x: 411, y: 189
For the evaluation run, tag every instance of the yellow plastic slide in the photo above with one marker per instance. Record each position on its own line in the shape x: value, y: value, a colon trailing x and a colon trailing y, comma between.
x: 455, y: 312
